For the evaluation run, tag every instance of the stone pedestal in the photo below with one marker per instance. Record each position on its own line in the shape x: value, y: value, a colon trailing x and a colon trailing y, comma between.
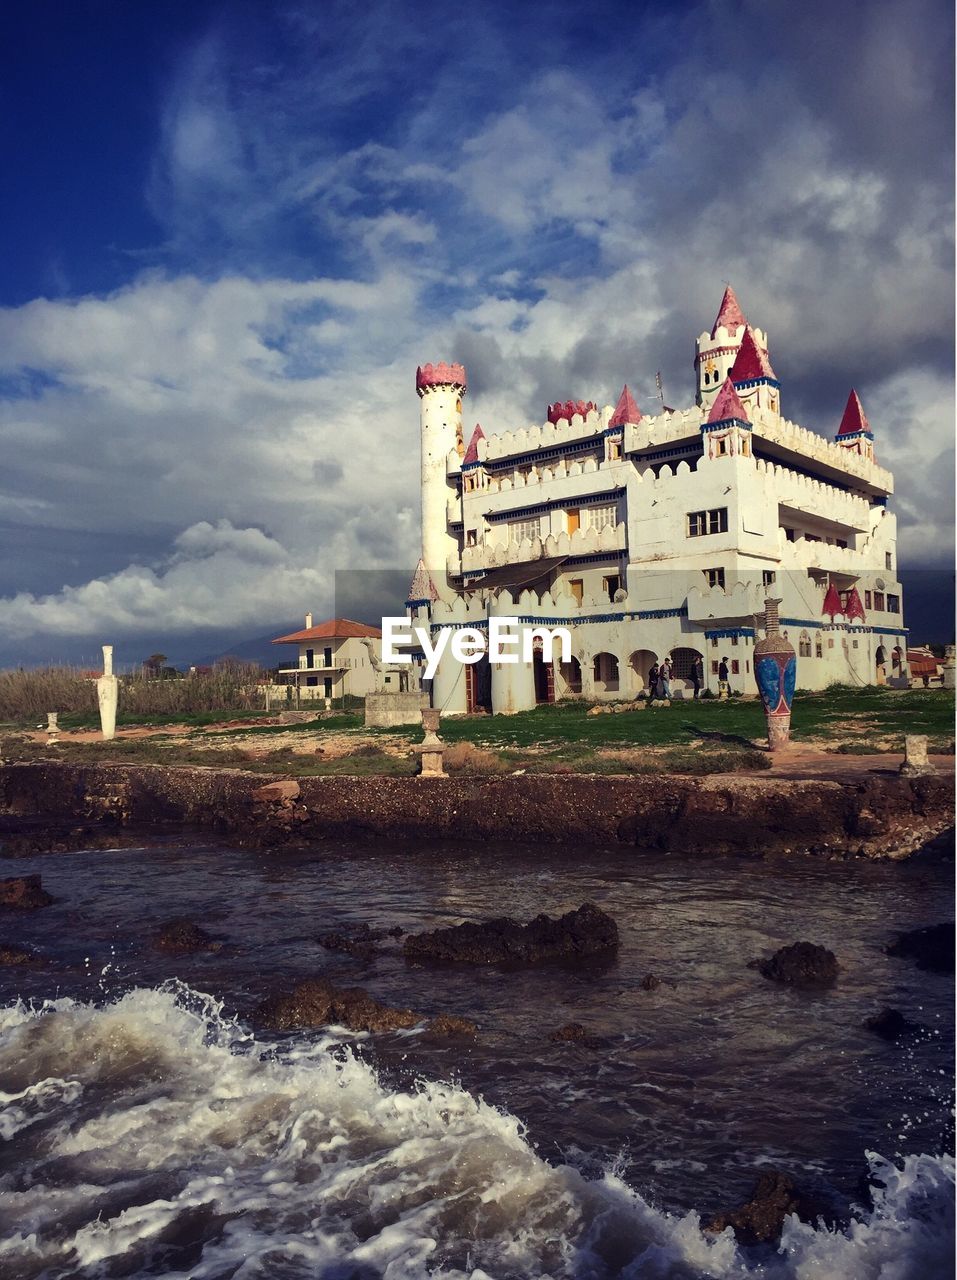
x: 108, y: 694
x: 431, y: 747
x: 53, y: 728
x: 948, y: 675
x: 915, y: 756
x: 775, y: 671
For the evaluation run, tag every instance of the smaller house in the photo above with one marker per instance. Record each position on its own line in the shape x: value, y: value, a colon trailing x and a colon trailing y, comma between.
x: 336, y: 659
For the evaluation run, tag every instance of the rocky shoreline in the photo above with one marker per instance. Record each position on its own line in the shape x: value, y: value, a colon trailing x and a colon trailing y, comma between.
x: 878, y: 815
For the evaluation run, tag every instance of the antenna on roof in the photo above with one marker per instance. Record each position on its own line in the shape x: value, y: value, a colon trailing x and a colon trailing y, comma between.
x: 661, y: 393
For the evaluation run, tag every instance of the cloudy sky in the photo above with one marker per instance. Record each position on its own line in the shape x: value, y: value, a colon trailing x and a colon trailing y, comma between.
x: 231, y: 232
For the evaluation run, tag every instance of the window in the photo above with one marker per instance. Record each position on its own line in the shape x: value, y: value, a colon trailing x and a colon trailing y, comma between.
x: 611, y: 584
x: 811, y: 537
x: 888, y: 560
x: 893, y: 604
x: 735, y: 667
x: 310, y: 658
x: 734, y: 639
x: 471, y: 538
x: 714, y: 642
x: 768, y: 577
x: 818, y: 647
x: 714, y: 663
x: 854, y: 644
x: 577, y: 588
x: 842, y: 542
x: 600, y: 517
x: 470, y: 482
x: 704, y: 522
x: 879, y: 601
x: 327, y: 657
x: 789, y: 534
x: 614, y: 450
x: 519, y: 530
x: 327, y: 686
x: 312, y: 680
x: 867, y: 600
x: 721, y: 446
x: 715, y: 577
x: 804, y: 645
x: 830, y: 642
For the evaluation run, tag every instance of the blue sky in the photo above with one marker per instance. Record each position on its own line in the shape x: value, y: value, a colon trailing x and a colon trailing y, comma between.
x: 233, y: 231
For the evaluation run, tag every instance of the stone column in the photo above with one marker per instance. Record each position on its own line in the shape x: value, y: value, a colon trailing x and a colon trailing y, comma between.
x: 108, y: 692
x: 775, y: 672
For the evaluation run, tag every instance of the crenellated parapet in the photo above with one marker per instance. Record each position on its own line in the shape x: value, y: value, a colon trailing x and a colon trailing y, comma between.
x: 428, y: 376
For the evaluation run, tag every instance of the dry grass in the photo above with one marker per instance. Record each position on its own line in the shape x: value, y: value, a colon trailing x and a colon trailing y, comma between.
x: 464, y: 757
x: 26, y: 696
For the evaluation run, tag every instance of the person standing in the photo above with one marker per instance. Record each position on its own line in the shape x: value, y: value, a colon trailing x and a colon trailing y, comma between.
x: 724, y: 690
x: 697, y: 677
x: 664, y: 679
x: 653, y: 680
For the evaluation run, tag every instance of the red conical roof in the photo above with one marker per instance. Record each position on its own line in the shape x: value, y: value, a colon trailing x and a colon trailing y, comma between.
x: 625, y: 410
x: 832, y: 602
x: 422, y: 587
x: 729, y: 313
x: 727, y: 404
x: 751, y: 362
x: 471, y: 453
x: 854, y: 608
x: 854, y: 419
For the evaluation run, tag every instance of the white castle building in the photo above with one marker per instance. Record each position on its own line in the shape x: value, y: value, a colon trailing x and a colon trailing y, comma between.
x: 656, y: 535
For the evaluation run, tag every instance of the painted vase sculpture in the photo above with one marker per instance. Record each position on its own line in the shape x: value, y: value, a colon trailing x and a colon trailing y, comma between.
x: 775, y: 670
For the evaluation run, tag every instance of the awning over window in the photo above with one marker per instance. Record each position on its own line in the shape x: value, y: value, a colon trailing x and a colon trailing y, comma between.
x: 527, y: 575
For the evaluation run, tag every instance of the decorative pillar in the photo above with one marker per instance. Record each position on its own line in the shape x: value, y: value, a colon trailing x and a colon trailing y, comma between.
x: 108, y: 692
x: 53, y: 728
x: 431, y: 747
x: 775, y: 671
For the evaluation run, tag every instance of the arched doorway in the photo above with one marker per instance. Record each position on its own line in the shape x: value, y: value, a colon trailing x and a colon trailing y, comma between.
x: 543, y: 673
x: 682, y: 664
x: 641, y: 662
x: 605, y: 668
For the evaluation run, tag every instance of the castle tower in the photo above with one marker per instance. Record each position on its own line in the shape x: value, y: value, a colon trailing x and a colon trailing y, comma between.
x: 855, y: 433
x: 716, y: 352
x: 440, y: 388
x: 752, y: 375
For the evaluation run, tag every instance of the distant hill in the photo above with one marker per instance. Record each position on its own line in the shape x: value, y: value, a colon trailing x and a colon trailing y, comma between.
x: 260, y: 650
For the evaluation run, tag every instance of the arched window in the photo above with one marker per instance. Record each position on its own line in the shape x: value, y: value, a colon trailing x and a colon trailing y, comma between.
x: 804, y: 645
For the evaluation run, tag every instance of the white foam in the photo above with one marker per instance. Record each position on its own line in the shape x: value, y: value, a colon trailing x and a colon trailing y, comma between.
x: 154, y: 1121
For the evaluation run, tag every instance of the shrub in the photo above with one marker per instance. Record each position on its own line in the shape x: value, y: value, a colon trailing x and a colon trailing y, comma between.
x: 464, y: 757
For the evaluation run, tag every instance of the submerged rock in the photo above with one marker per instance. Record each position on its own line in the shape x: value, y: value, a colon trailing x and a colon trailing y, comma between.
x: 570, y: 1032
x: 360, y: 944
x: 585, y: 932
x: 23, y: 893
x: 890, y: 1024
x: 450, y: 1024
x: 650, y: 982
x: 182, y: 936
x: 317, y: 1003
x: 760, y: 1219
x: 802, y: 964
x: 10, y: 954
x: 931, y: 948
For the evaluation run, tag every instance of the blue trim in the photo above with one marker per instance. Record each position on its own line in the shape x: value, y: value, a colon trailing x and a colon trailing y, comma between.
x: 693, y: 447
x: 754, y: 382
x: 854, y: 435
x: 415, y: 604
x: 729, y: 633
x: 516, y: 513
x: 725, y: 422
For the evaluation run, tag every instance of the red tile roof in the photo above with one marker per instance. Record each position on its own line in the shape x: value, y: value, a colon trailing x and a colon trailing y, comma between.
x: 727, y: 404
x: 625, y: 410
x: 751, y: 362
x: 422, y: 586
x: 558, y: 410
x: 471, y: 453
x: 334, y: 629
x: 729, y: 313
x: 854, y: 419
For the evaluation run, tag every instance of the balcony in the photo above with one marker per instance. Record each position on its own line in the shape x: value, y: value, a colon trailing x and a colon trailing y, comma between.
x: 584, y: 542
x: 317, y: 665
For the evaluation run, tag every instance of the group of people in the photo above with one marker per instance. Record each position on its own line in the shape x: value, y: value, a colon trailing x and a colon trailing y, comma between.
x: 659, y: 678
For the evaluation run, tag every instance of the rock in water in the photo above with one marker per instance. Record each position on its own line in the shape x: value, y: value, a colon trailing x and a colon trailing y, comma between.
x: 760, y: 1219
x: 890, y: 1024
x: 932, y: 948
x: 23, y: 893
x: 182, y: 936
x: 585, y: 932
x: 10, y: 954
x: 450, y: 1024
x: 317, y: 1003
x: 802, y: 964
x: 570, y: 1032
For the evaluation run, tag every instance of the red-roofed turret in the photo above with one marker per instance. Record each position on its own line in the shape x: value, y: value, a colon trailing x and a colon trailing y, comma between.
x: 727, y: 406
x: 568, y: 409
x: 471, y: 453
x: 751, y: 363
x: 625, y: 410
x: 854, y: 419
x: 730, y: 316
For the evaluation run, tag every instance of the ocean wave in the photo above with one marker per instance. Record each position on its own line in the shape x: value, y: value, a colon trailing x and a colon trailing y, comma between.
x: 151, y: 1135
